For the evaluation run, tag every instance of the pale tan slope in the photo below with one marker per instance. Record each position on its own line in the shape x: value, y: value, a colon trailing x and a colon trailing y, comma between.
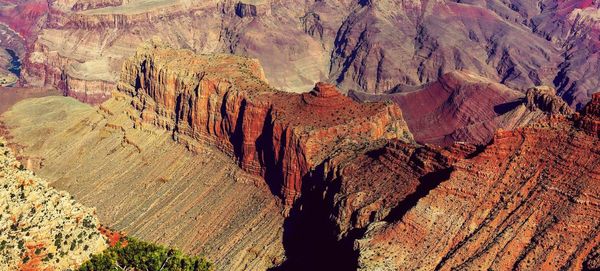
x: 144, y: 183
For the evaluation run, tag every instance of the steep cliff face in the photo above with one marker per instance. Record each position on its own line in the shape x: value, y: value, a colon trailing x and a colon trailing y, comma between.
x: 528, y: 201
x: 280, y: 136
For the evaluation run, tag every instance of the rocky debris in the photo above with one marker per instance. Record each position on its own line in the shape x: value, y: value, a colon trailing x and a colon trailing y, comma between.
x: 544, y: 98
x: 42, y: 228
x: 225, y: 100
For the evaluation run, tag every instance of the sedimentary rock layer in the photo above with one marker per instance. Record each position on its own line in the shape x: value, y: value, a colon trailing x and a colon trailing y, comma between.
x: 224, y: 100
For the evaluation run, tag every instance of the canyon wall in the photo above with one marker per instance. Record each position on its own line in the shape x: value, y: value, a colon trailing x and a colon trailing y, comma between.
x: 280, y: 136
x: 351, y: 177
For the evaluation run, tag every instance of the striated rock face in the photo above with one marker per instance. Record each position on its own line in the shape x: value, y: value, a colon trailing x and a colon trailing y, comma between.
x: 277, y: 135
x: 464, y: 107
x: 352, y: 179
x: 42, y: 228
x: 528, y: 201
x: 379, y: 184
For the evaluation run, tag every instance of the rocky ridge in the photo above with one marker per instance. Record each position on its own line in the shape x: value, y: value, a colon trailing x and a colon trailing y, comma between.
x: 42, y: 228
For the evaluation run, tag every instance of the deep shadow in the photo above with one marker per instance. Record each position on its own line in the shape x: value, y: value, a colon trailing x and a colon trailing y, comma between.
x: 427, y: 183
x: 506, y: 107
x: 266, y: 151
x: 309, y: 235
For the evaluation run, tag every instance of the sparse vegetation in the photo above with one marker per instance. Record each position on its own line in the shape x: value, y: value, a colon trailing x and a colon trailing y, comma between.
x: 139, y: 255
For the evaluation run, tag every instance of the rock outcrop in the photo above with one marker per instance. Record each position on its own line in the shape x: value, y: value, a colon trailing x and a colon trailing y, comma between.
x: 42, y: 228
x: 545, y: 99
x: 224, y: 100
x: 589, y: 119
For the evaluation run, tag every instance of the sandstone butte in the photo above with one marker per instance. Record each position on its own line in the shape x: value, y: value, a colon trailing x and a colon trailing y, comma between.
x: 225, y: 100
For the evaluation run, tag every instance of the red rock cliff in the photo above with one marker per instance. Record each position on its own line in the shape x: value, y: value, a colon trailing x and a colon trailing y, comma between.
x: 225, y: 100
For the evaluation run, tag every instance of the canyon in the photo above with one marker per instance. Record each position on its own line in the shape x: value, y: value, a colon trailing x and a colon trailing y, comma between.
x: 302, y: 135
x: 200, y: 152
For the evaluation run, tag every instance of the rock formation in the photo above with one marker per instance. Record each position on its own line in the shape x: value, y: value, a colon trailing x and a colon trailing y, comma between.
x: 152, y: 188
x: 42, y: 228
x: 545, y: 99
x: 351, y: 178
x: 277, y: 135
x: 589, y: 120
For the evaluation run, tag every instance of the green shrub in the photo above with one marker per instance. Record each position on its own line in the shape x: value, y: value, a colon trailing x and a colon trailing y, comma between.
x: 140, y: 255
